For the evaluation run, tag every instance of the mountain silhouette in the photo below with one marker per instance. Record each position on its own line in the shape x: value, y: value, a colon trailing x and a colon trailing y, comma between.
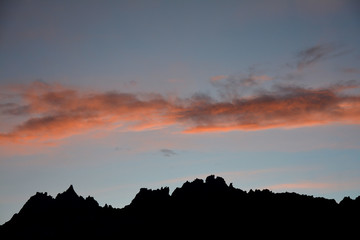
x: 209, y: 208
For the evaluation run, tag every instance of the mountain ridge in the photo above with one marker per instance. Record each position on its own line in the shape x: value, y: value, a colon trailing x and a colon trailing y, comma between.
x: 203, y: 208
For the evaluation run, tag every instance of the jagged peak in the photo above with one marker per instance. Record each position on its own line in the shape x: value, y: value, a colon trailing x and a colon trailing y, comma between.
x: 68, y: 194
x: 71, y: 190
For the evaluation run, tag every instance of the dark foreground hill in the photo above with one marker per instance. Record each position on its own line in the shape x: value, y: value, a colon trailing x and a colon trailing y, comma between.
x: 209, y: 208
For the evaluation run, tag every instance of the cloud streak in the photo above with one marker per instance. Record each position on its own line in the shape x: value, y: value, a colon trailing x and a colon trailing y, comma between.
x: 317, y: 53
x: 54, y: 111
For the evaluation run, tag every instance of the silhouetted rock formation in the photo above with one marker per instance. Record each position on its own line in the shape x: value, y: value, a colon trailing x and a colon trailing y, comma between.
x: 198, y: 209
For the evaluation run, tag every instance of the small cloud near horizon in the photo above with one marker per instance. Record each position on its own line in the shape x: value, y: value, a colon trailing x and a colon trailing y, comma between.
x: 218, y: 78
x: 167, y: 152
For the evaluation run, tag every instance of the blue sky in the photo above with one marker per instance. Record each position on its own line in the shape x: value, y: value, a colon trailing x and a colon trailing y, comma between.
x: 111, y: 96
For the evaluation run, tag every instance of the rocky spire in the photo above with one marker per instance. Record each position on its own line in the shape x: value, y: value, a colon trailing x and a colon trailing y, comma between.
x: 69, y: 194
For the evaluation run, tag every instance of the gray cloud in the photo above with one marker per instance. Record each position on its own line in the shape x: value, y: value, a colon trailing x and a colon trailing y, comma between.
x: 235, y: 86
x: 14, y: 109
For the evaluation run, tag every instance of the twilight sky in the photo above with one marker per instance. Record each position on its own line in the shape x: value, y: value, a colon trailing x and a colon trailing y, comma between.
x: 111, y: 96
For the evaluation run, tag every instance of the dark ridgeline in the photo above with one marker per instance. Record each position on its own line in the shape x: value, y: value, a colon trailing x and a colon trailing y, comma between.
x: 209, y: 208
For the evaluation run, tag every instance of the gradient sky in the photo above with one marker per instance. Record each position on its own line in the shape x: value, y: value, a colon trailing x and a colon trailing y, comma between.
x: 112, y: 96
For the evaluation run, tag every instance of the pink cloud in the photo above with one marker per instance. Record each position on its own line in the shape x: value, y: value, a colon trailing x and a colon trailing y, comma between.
x: 300, y: 185
x: 217, y: 78
x: 54, y: 111
x: 329, y: 185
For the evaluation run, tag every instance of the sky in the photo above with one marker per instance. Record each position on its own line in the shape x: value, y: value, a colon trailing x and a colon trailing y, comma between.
x: 112, y: 96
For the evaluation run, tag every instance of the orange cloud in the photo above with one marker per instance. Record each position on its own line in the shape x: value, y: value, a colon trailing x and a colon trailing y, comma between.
x: 288, y: 108
x: 329, y: 185
x: 301, y: 185
x: 217, y: 78
x: 54, y: 111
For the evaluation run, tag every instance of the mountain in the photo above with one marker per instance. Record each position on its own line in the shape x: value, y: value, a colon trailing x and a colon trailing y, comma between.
x: 209, y: 208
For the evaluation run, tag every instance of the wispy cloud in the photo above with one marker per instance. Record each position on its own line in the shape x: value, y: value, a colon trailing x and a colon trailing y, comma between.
x: 54, y: 111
